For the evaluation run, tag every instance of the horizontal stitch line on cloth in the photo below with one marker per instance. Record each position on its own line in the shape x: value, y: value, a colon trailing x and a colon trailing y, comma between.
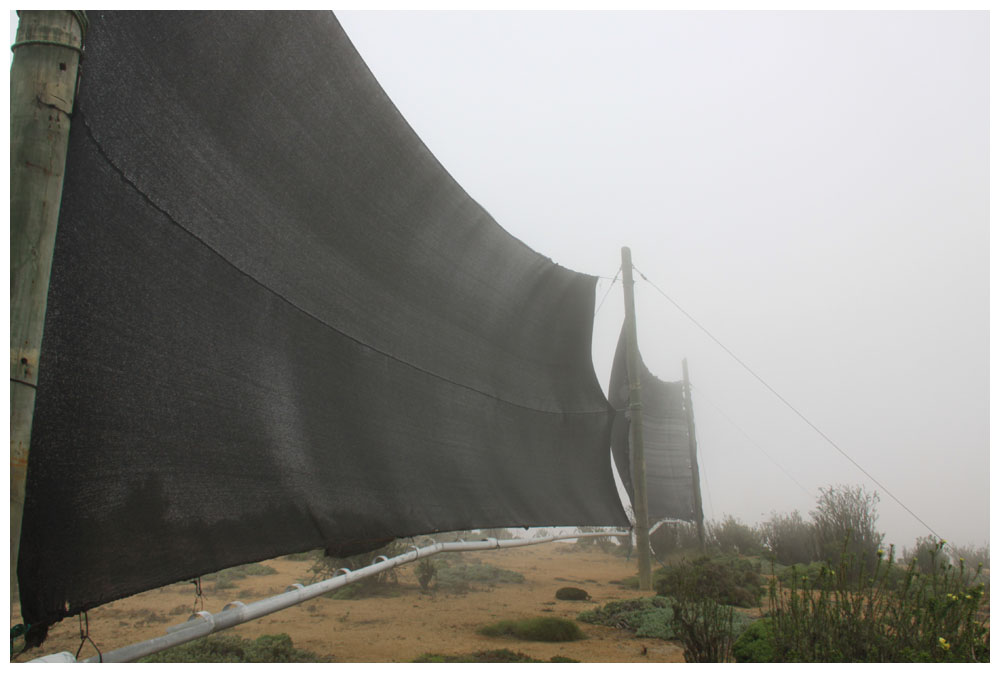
x: 149, y: 200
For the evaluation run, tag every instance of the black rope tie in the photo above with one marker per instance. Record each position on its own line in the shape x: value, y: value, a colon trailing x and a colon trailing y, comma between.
x: 198, y: 595
x: 85, y: 636
x: 19, y: 631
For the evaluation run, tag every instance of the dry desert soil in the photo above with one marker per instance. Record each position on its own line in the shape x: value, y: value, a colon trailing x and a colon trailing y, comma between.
x: 401, y: 627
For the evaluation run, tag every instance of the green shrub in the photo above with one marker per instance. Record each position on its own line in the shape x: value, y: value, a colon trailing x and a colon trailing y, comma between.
x: 486, y: 657
x: 731, y: 581
x: 598, y: 543
x: 733, y: 536
x: 460, y: 576
x: 672, y: 538
x: 850, y: 615
x: 425, y: 572
x: 756, y: 644
x: 973, y: 556
x: 233, y: 649
x: 546, y: 629
x: 225, y: 579
x: 707, y: 629
x: 928, y: 554
x: 790, y: 538
x: 254, y: 569
x: 572, y: 594
x: 361, y: 590
x: 802, y: 573
x: 844, y: 522
x: 325, y: 567
x: 647, y: 617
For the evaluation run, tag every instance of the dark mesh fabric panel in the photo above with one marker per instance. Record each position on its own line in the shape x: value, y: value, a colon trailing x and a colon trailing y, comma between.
x: 276, y: 323
x: 666, y: 448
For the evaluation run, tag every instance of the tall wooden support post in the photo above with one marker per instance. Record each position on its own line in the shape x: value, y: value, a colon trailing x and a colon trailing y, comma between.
x: 693, y: 444
x: 635, y: 425
x: 43, y: 78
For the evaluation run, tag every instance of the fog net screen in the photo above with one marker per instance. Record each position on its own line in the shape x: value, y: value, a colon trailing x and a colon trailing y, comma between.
x: 276, y: 323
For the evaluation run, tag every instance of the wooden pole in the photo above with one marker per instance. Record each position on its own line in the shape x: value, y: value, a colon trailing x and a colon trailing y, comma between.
x: 43, y: 79
x: 693, y: 444
x: 635, y: 425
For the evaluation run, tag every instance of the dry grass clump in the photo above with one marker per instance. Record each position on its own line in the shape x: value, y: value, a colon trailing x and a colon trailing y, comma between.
x: 544, y: 629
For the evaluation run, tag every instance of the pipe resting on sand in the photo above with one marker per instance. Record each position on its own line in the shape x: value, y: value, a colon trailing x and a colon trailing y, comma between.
x: 204, y: 623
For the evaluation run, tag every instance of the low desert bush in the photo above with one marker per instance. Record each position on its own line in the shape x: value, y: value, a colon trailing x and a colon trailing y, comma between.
x: 799, y: 574
x: 572, y: 594
x: 726, y: 580
x: 325, y: 567
x: 732, y: 536
x: 671, y: 539
x: 240, y: 572
x: 452, y: 575
x: 790, y: 539
x: 460, y: 576
x: 597, y: 543
x: 802, y: 572
x: 486, y: 657
x: 756, y: 644
x: 276, y: 648
x: 707, y: 629
x: 425, y: 571
x: 362, y: 590
x: 847, y: 515
x: 646, y: 617
x: 545, y: 629
x: 928, y: 554
x: 850, y: 615
x: 227, y: 578
x: 973, y: 556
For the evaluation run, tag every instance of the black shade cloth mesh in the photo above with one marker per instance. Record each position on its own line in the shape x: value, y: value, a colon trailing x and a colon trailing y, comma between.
x: 666, y: 447
x: 276, y: 323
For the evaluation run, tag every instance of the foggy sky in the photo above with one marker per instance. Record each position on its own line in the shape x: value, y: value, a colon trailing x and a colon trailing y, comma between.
x: 811, y: 187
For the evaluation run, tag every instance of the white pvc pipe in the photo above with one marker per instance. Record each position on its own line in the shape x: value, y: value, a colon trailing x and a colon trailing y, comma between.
x: 204, y: 623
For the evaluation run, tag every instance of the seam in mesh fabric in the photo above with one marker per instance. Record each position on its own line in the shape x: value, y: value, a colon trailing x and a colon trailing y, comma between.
x: 149, y: 200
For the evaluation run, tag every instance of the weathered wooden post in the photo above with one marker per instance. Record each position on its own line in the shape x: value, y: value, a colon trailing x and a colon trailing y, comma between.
x: 43, y: 79
x: 635, y: 425
x: 693, y: 444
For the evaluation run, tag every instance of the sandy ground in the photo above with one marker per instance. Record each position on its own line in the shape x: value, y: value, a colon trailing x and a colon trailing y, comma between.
x: 399, y: 628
